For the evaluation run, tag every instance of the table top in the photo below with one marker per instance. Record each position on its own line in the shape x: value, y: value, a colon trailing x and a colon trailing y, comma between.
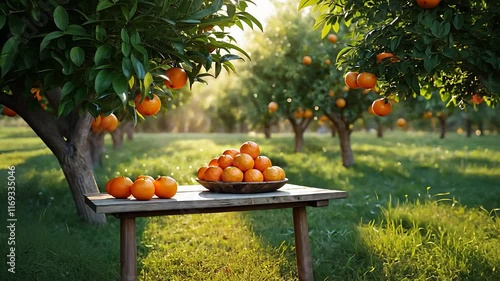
x: 197, y: 197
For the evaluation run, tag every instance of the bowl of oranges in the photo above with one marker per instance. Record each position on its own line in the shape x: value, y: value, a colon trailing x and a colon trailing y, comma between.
x: 242, y: 170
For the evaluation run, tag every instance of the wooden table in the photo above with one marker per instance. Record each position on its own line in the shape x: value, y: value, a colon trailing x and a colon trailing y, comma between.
x: 195, y: 199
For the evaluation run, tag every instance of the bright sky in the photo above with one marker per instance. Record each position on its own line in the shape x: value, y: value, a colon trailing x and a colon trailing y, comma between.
x: 261, y: 10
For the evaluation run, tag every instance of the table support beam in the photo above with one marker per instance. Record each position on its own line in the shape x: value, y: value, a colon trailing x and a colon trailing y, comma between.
x: 128, y: 249
x: 302, y: 249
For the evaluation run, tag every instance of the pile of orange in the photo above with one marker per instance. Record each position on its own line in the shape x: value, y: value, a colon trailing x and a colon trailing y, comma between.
x: 241, y: 165
x: 142, y: 188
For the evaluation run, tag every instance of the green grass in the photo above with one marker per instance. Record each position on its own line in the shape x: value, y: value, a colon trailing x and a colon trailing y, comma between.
x: 419, y: 208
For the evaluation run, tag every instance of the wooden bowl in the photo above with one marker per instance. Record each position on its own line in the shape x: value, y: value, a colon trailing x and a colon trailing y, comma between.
x: 242, y: 187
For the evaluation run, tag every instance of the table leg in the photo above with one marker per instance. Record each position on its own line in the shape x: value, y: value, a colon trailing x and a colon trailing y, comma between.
x: 128, y: 249
x: 302, y: 250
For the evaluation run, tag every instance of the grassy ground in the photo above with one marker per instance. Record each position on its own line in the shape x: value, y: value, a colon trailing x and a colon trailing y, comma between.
x: 419, y: 208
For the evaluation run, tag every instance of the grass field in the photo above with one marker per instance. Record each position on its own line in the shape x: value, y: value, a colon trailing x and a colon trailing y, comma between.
x: 419, y: 208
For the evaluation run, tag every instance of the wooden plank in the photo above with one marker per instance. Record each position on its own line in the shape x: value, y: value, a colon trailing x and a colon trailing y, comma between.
x: 128, y: 249
x: 196, y: 197
x: 302, y: 249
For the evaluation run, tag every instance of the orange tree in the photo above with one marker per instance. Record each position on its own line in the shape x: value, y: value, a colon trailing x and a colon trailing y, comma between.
x: 93, y: 58
x: 294, y: 67
x: 452, y: 49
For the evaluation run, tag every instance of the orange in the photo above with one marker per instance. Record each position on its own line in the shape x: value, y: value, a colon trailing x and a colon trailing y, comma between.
x: 308, y: 113
x: 477, y: 99
x: 251, y: 148
x: 36, y: 93
x: 299, y: 113
x: 165, y: 187
x: 346, y: 88
x: 225, y: 161
x: 401, y: 122
x: 8, y: 112
x: 148, y: 106
x: 243, y: 162
x: 232, y: 152
x: 253, y: 175
x: 350, y: 79
x: 282, y: 172
x: 331, y: 93
x: 143, y: 189
x: 272, y: 106
x: 380, y: 57
x: 177, y: 76
x: 328, y: 62
x: 109, y: 123
x: 306, y: 60
x: 366, y: 80
x: 428, y: 114
x: 381, y: 107
x: 120, y: 187
x: 108, y: 185
x: 201, y: 172
x: 144, y: 177
x: 213, y: 173
x: 262, y: 162
x: 232, y: 174
x: 323, y: 118
x: 366, y: 91
x: 95, y: 126
x: 272, y: 174
x: 332, y: 38
x: 214, y: 162
x: 340, y: 103
x: 428, y: 4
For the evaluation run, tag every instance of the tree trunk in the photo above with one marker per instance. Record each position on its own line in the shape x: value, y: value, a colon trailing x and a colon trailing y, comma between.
x: 480, y: 127
x: 117, y: 137
x: 267, y: 129
x: 468, y: 127
x: 96, y: 148
x: 299, y: 128
x: 129, y: 130
x: 380, y: 129
x: 344, y: 134
x: 442, y: 122
x: 333, y: 129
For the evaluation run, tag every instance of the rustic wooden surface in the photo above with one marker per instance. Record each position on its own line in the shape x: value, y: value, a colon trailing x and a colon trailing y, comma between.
x: 197, y: 198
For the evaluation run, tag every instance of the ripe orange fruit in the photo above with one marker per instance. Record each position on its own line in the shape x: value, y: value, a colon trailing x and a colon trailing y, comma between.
x: 282, y: 172
x: 8, y: 112
x: 272, y: 106
x: 232, y: 152
x: 109, y: 123
x: 306, y: 60
x: 381, y: 107
x: 401, y: 122
x: 143, y: 189
x: 340, y: 102
x: 308, y: 113
x: 428, y: 4
x: 346, y: 88
x: 328, y: 62
x: 350, y: 79
x: 380, y: 57
x: 253, y: 175
x: 145, y: 177
x: 213, y: 173
x: 251, y: 148
x: 243, y: 162
x: 299, y: 113
x: 214, y: 162
x: 366, y: 80
x: 428, y: 114
x: 108, y: 185
x: 332, y: 38
x: 178, y: 78
x: 148, y: 106
x: 323, y: 118
x: 95, y: 126
x: 201, y: 172
x: 36, y: 93
x: 224, y: 161
x: 477, y: 99
x: 165, y: 187
x: 331, y: 93
x: 272, y: 174
x: 120, y: 187
x: 366, y: 91
x: 232, y: 174
x: 262, y: 162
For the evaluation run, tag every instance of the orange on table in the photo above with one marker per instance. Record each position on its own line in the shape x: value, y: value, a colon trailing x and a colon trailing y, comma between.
x: 225, y: 161
x: 144, y: 177
x: 201, y: 172
x: 232, y: 152
x: 108, y: 185
x: 143, y: 189
x: 262, y: 162
x: 120, y: 187
x: 165, y: 187
x: 253, y: 175
x: 282, y: 172
x: 243, y: 162
x: 251, y: 148
x: 272, y: 174
x: 214, y: 162
x: 213, y: 173
x: 232, y: 174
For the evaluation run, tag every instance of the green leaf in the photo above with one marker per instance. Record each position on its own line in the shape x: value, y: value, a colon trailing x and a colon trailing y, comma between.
x: 61, y: 18
x: 430, y: 63
x: 66, y: 106
x: 100, y: 33
x: 120, y: 86
x: 8, y: 55
x: 124, y: 36
x: 104, y: 4
x: 148, y: 80
x: 229, y: 57
x: 209, y: 10
x: 49, y: 37
x: 3, y: 20
x: 458, y: 21
x: 76, y: 30
x: 103, y: 81
x: 67, y: 89
x: 138, y: 68
x: 127, y: 67
x: 102, y: 53
x: 126, y: 49
x: 77, y: 56
x: 135, y: 39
